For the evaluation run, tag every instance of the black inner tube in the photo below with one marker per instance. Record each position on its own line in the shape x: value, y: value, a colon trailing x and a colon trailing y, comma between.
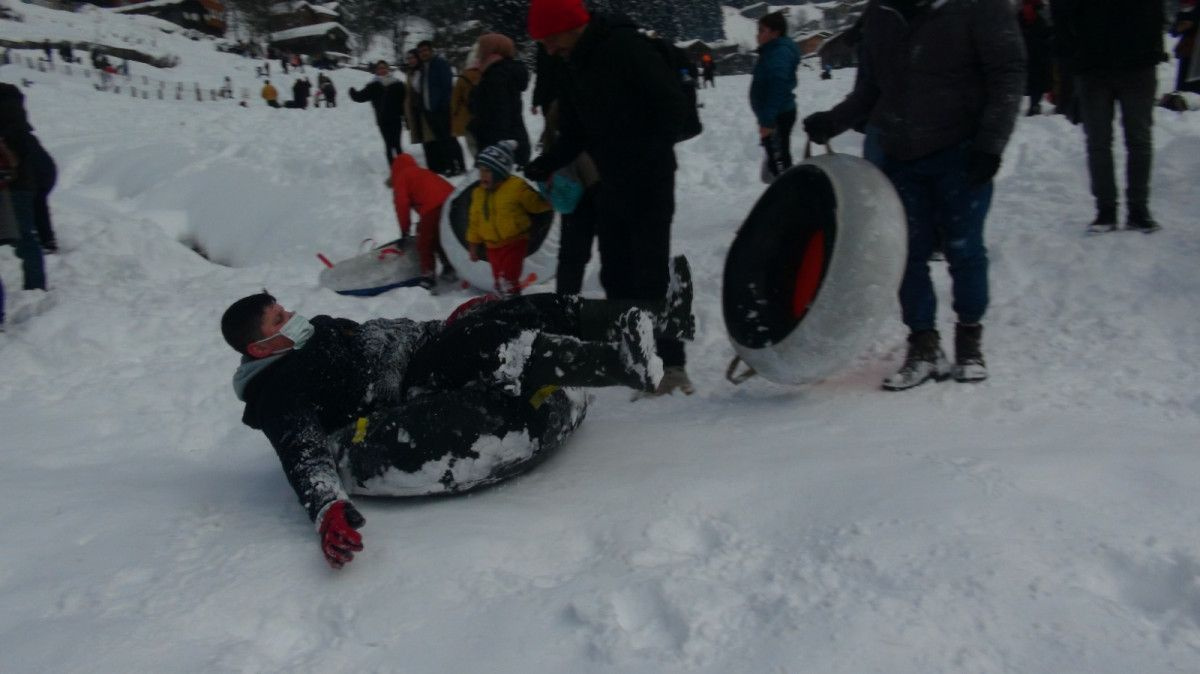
x: 768, y: 278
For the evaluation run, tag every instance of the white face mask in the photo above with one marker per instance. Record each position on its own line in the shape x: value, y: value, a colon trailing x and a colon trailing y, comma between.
x: 298, y: 329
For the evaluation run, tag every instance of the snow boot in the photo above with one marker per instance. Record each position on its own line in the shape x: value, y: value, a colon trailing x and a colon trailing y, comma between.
x: 448, y: 275
x: 924, y: 361
x: 676, y: 320
x: 635, y: 340
x: 969, y: 365
x: 1106, y: 221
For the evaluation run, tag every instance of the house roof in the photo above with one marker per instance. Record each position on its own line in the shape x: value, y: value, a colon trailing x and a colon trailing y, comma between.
x: 307, y: 31
x: 145, y: 5
x: 291, y: 7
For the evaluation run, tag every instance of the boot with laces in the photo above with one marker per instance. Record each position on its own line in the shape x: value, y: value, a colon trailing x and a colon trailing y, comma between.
x: 924, y: 361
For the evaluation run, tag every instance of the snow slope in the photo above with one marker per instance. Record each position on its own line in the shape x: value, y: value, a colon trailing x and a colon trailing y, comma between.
x: 1043, y: 521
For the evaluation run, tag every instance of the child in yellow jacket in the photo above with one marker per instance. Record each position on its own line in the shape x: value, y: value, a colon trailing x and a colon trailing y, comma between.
x: 499, y: 216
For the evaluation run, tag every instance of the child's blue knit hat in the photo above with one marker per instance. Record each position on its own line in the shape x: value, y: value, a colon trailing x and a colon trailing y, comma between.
x: 499, y: 158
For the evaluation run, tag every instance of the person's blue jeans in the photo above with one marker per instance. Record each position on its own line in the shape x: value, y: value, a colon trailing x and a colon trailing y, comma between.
x: 936, y: 195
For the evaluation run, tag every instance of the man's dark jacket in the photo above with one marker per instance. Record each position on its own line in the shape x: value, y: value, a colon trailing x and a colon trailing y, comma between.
x: 1112, y: 34
x: 620, y: 102
x: 496, y: 108
x: 345, y: 370
x: 952, y: 73
x: 388, y: 101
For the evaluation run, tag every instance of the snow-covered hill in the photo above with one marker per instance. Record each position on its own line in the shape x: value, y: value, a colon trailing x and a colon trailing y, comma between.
x: 1043, y: 521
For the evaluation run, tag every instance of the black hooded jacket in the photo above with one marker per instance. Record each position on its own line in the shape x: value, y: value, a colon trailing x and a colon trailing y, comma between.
x: 620, y: 102
x: 297, y: 399
x: 1111, y: 34
x: 496, y: 108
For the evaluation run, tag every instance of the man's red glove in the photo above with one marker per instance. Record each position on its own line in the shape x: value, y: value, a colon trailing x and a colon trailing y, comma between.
x: 339, y: 540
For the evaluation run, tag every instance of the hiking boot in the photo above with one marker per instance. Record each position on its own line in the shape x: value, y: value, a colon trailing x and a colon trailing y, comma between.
x: 635, y: 341
x: 448, y: 275
x: 969, y: 365
x: 427, y: 283
x: 677, y: 320
x: 1106, y: 221
x: 1141, y: 222
x: 924, y: 361
x: 675, y: 378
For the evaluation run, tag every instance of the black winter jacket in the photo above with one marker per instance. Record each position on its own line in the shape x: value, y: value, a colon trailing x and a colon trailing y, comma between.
x: 496, y: 108
x: 346, y: 370
x: 952, y: 73
x: 18, y: 136
x: 388, y: 101
x: 1112, y: 34
x: 620, y: 102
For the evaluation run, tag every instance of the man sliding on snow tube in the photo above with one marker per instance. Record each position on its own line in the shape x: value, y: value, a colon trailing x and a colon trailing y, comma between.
x: 399, y: 407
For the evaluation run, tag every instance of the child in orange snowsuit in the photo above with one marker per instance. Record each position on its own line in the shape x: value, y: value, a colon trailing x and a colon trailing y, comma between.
x: 421, y: 190
x: 499, y: 217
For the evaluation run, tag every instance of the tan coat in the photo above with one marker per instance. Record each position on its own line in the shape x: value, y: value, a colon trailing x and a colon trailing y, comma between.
x: 460, y: 111
x: 419, y: 130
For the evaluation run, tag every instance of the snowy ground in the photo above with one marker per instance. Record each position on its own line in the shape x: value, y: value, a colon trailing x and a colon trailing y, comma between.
x: 1044, y: 521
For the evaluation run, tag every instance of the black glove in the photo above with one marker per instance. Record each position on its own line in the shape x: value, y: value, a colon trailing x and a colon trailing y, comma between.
x: 820, y: 127
x: 981, y: 167
x: 538, y: 171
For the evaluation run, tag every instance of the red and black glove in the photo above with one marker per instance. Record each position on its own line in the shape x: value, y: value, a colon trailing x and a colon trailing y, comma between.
x: 339, y: 540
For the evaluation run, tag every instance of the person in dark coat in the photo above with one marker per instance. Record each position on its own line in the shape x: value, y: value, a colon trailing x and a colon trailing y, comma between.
x: 1187, y: 20
x: 345, y: 403
x: 21, y: 149
x: 443, y: 154
x: 300, y: 93
x: 495, y: 103
x: 771, y: 91
x: 328, y: 90
x: 1117, y: 46
x: 1037, y: 34
x: 708, y: 68
x: 386, y: 95
x: 919, y: 55
x: 623, y: 104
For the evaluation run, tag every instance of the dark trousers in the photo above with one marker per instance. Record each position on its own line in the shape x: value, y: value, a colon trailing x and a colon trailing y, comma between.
x: 518, y: 344
x: 29, y: 249
x: 575, y: 244
x: 1181, y: 83
x: 778, y: 145
x: 391, y: 140
x: 634, y: 209
x: 937, y: 198
x: 1099, y: 93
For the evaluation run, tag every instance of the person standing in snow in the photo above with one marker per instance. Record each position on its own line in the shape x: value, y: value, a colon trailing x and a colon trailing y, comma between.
x: 708, y: 68
x: 496, y: 107
x: 1187, y: 20
x: 421, y: 190
x: 622, y: 103
x: 1037, y: 34
x: 499, y: 217
x: 771, y: 91
x: 916, y: 56
x: 387, y: 96
x: 443, y: 154
x: 270, y: 94
x: 20, y: 148
x: 368, y: 401
x: 1118, y: 45
x: 329, y: 91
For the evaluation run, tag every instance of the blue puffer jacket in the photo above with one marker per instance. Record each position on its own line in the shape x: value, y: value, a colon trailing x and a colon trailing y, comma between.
x: 774, y: 80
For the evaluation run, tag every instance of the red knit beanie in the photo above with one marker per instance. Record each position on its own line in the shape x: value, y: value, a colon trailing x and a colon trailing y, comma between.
x: 547, y: 17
